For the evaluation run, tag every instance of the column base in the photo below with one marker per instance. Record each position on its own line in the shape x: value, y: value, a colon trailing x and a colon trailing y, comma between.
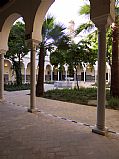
x: 100, y: 132
x: 32, y: 110
x: 2, y: 99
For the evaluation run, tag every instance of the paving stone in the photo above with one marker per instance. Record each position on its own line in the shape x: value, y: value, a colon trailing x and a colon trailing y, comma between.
x: 25, y: 135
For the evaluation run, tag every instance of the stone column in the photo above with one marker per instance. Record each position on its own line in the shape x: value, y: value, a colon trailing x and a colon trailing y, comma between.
x: 101, y: 93
x: 74, y: 74
x: 58, y: 72
x: 84, y: 69
x: 108, y: 75
x: 66, y: 69
x: 102, y: 13
x: 33, y: 77
x: 109, y: 70
x: 66, y: 75
x: 51, y: 73
x: 1, y: 76
x: 25, y: 74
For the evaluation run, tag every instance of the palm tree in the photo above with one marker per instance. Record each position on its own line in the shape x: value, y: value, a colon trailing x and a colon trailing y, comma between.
x: 51, y: 33
x: 89, y: 25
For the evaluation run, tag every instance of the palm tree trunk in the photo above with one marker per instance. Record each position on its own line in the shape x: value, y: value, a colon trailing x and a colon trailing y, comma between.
x: 77, y: 78
x: 40, y: 81
x: 115, y: 63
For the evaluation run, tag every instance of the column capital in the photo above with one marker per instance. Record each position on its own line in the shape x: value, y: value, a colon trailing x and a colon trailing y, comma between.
x: 32, y: 43
x: 52, y: 66
x: 58, y: 65
x: 102, y: 12
x: 84, y: 69
x: 36, y: 42
x: 66, y: 68
x: 102, y: 21
x: 2, y: 51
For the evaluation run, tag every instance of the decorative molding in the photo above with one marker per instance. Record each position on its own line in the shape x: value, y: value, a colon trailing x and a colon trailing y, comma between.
x: 102, y: 12
x: 32, y: 42
x: 104, y: 20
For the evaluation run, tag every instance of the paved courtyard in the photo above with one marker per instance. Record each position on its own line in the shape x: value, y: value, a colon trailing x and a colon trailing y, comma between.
x: 59, y: 130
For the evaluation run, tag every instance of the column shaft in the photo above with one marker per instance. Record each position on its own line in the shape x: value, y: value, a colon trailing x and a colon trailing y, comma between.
x: 33, y: 79
x: 51, y: 75
x: 24, y: 75
x: 84, y: 76
x: 66, y: 76
x: 74, y: 75
x: 58, y: 74
x: 108, y: 76
x: 1, y: 76
x: 101, y: 93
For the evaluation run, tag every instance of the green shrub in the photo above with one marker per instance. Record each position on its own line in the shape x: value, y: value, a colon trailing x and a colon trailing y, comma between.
x: 113, y: 103
x: 72, y: 95
x: 81, y: 96
x: 14, y: 87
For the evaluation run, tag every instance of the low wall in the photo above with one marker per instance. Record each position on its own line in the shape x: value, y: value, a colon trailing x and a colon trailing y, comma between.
x: 65, y: 84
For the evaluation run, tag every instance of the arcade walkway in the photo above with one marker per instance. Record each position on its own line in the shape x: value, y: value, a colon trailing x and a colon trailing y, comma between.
x: 45, y: 135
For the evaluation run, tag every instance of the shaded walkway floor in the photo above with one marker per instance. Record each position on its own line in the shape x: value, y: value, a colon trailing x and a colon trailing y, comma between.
x: 39, y: 136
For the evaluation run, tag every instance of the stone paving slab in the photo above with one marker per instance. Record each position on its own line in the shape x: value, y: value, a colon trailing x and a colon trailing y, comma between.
x: 76, y: 112
x: 26, y: 135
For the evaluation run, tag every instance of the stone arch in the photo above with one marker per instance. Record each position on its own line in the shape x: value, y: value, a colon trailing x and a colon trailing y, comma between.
x: 28, y: 66
x: 90, y: 75
x: 39, y: 17
x: 48, y: 67
x: 55, y: 73
x: 80, y: 73
x: 48, y: 72
x: 22, y: 71
x: 62, y: 74
x: 108, y: 72
x: 28, y: 72
x: 9, y: 61
x: 7, y: 71
x: 4, y: 34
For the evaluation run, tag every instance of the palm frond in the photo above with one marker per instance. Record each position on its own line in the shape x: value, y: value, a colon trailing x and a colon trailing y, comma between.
x: 85, y: 10
x: 86, y: 27
x: 56, y: 32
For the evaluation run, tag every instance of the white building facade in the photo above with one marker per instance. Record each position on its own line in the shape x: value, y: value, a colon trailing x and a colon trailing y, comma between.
x: 52, y: 73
